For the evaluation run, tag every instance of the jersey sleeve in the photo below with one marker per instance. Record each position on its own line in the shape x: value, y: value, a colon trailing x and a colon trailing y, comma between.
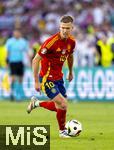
x: 45, y: 48
x: 7, y: 45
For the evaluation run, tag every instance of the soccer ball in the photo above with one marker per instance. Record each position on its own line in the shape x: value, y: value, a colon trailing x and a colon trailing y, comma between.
x: 74, y: 127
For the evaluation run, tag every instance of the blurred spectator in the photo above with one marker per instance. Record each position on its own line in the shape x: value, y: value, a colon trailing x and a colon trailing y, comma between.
x: 104, y: 51
x: 98, y: 16
x: 16, y: 47
x: 111, y: 46
x: 36, y: 47
x: 85, y: 51
x: 3, y: 51
x: 34, y: 44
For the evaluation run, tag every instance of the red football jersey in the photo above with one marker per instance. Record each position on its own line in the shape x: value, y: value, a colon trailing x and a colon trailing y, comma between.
x: 54, y: 52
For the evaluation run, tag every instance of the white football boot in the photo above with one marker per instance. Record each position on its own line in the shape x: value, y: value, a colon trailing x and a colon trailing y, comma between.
x: 33, y: 104
x: 64, y: 134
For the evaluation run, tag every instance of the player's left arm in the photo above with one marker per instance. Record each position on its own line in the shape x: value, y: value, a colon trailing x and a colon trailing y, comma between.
x: 70, y: 61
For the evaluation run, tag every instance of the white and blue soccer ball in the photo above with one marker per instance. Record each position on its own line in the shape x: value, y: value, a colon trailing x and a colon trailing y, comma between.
x: 73, y: 127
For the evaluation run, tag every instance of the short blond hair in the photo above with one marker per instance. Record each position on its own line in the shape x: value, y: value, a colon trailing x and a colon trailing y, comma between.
x: 66, y: 19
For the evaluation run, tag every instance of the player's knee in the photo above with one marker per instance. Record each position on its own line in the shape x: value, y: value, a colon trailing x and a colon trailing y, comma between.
x: 61, y: 102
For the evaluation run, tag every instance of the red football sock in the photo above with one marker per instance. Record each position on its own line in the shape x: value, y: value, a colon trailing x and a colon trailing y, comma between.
x: 61, y: 118
x: 50, y: 105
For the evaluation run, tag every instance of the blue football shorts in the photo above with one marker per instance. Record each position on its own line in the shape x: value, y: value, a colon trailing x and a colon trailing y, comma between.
x: 53, y: 88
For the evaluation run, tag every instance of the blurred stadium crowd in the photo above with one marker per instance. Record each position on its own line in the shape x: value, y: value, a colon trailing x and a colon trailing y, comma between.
x: 38, y: 19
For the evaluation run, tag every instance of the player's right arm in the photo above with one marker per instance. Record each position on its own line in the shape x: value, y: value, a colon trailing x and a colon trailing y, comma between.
x: 42, y: 53
x: 35, y: 67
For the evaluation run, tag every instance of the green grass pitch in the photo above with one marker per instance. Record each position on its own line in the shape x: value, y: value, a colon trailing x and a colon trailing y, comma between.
x: 97, y: 119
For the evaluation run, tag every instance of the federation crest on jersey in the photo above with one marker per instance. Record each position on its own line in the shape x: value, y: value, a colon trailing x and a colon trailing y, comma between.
x: 53, y: 90
x: 63, y: 51
x: 44, y: 51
